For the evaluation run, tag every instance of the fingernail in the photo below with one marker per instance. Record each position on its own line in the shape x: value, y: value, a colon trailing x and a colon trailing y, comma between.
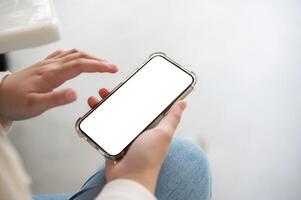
x: 183, y: 105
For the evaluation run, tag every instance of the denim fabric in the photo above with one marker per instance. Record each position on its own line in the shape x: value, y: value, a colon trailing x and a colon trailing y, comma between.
x: 185, y: 174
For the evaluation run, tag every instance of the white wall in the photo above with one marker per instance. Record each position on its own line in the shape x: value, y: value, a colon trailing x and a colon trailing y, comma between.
x: 246, y: 55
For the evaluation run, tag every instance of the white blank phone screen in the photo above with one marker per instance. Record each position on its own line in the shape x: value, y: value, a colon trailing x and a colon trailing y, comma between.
x: 131, y: 108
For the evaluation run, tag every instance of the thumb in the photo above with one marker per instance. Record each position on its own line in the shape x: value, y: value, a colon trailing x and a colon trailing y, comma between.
x: 170, y: 122
x: 57, y: 98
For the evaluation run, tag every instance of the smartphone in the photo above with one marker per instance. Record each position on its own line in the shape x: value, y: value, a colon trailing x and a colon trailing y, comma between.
x: 136, y: 104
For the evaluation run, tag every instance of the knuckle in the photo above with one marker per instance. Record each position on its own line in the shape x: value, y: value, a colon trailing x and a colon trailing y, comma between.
x: 59, y: 51
x: 30, y: 102
x: 74, y: 50
x: 78, y: 62
x: 83, y: 54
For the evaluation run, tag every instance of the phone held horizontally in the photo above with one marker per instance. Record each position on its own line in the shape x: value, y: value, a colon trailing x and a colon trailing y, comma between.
x: 139, y: 102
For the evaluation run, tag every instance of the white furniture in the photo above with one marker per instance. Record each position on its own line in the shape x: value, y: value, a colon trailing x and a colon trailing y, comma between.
x: 27, y: 23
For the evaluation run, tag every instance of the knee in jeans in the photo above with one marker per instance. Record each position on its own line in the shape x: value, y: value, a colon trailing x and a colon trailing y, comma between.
x: 189, y: 161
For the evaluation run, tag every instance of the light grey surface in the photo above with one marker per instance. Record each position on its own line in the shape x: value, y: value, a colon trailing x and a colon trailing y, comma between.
x: 246, y: 55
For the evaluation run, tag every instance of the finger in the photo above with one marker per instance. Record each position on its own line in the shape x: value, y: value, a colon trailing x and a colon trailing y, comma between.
x: 66, y: 53
x: 94, y: 57
x: 56, y: 98
x: 79, y: 54
x: 170, y: 122
x: 89, y: 65
x: 54, y: 54
x: 76, y: 67
x: 92, y: 102
x: 103, y: 92
x: 61, y: 73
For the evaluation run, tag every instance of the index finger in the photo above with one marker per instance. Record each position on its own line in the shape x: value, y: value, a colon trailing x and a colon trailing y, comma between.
x: 55, y: 53
x: 73, y: 68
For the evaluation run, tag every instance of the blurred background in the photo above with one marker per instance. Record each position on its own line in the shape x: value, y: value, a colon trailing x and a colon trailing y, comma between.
x: 246, y: 107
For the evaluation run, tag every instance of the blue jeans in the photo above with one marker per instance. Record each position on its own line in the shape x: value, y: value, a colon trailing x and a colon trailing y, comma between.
x: 185, y: 174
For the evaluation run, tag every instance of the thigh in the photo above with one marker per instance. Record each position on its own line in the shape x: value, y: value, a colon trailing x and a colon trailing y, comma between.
x: 51, y: 197
x: 92, y: 187
x: 185, y: 173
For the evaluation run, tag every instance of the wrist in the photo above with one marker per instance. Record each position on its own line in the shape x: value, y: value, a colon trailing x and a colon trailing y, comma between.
x: 3, y: 75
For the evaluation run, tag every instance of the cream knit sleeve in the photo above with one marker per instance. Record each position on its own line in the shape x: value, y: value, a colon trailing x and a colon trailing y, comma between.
x: 126, y: 190
x: 14, y: 182
x: 6, y: 124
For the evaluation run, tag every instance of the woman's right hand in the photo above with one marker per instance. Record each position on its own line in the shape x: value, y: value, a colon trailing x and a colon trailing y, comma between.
x: 145, y: 156
x: 32, y: 91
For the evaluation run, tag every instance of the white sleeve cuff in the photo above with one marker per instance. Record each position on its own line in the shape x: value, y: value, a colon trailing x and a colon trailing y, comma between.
x: 125, y: 189
x: 3, y: 74
x: 5, y: 124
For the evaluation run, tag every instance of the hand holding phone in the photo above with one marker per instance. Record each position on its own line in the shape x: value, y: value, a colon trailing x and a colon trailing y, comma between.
x: 139, y: 164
